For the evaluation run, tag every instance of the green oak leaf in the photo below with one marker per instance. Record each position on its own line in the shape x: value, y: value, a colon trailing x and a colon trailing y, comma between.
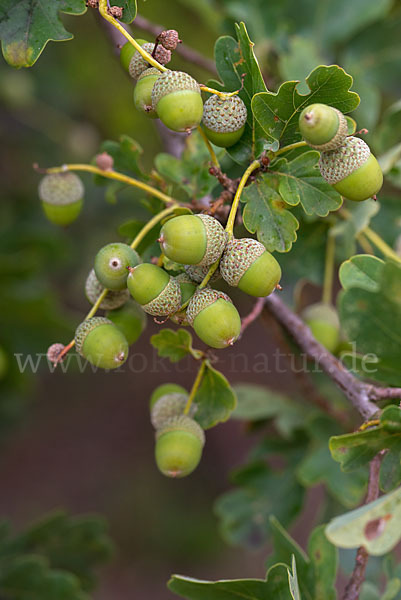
x: 299, y: 182
x: 174, y: 345
x: 278, y: 113
x: 129, y: 9
x: 361, y: 271
x: 215, y: 398
x: 267, y: 215
x: 235, y: 59
x: 276, y: 585
x: 372, y: 319
x: 376, y: 526
x: 27, y: 25
x: 354, y: 450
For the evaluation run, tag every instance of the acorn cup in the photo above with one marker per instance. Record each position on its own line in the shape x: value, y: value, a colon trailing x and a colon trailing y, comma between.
x: 179, y: 445
x: 130, y: 320
x: 224, y: 120
x: 101, y: 343
x: 193, y: 239
x: 112, y: 300
x: 177, y: 100
x: 247, y: 264
x: 168, y: 406
x: 323, y: 127
x: 214, y: 318
x: 352, y: 170
x: 138, y: 64
x: 198, y: 273
x: 322, y: 319
x: 111, y: 265
x: 156, y: 291
x: 62, y: 197
x: 188, y: 288
x: 127, y: 52
x: 143, y: 92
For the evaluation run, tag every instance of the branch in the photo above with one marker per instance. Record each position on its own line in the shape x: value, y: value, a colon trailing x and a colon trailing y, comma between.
x: 354, y: 585
x: 187, y: 53
x: 360, y: 394
x: 253, y: 315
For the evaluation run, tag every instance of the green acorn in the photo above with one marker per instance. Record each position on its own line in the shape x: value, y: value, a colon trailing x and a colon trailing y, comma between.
x: 352, y: 170
x: 179, y: 445
x: 224, y: 120
x: 177, y: 100
x: 138, y: 64
x: 323, y: 127
x: 214, y: 318
x: 130, y: 320
x: 322, y: 320
x: 168, y: 406
x: 62, y: 197
x: 163, y: 390
x: 198, y: 273
x: 111, y: 265
x: 127, y: 52
x: 143, y: 92
x: 155, y: 290
x: 193, y: 239
x: 248, y: 265
x: 101, y: 343
x: 93, y: 289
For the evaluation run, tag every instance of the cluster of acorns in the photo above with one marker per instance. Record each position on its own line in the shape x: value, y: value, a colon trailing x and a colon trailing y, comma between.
x: 195, y: 242
x: 175, y: 97
x: 346, y: 162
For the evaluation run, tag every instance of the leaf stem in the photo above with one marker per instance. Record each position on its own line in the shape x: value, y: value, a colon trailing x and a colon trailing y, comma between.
x: 150, y: 224
x: 289, y: 147
x: 110, y: 174
x: 195, y: 387
x: 148, y: 57
x: 209, y: 147
x: 329, y: 269
x: 204, y: 88
x: 234, y: 207
x: 380, y: 244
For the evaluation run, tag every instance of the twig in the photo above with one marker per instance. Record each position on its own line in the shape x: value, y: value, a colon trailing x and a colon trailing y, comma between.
x: 353, y: 587
x: 187, y: 53
x: 360, y: 394
x: 253, y: 315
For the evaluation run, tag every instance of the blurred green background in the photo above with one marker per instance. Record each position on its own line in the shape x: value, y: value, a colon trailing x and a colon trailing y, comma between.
x: 84, y: 441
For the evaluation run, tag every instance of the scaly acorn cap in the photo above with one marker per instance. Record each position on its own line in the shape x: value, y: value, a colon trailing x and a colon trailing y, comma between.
x: 149, y: 71
x: 224, y: 115
x: 169, y: 406
x: 202, y: 299
x: 182, y: 423
x: 172, y: 81
x: 138, y: 64
x: 85, y: 328
x: 154, y: 289
x: 198, y: 273
x: 167, y: 302
x: 61, y: 188
x: 93, y: 289
x: 323, y: 122
x: 237, y: 257
x: 336, y: 165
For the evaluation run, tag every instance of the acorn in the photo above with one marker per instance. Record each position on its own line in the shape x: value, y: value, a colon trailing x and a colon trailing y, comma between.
x: 179, y: 445
x: 188, y: 287
x: 130, y: 320
x: 224, y: 120
x: 112, y: 300
x: 127, y: 52
x: 62, y: 197
x: 322, y: 319
x: 143, y: 92
x: 168, y: 406
x: 177, y: 100
x: 247, y: 264
x: 198, y: 273
x: 138, y: 64
x: 169, y: 39
x: 156, y: 291
x: 323, y: 127
x: 352, y: 170
x: 163, y: 390
x: 101, y: 343
x: 111, y: 265
x: 193, y: 239
x: 214, y: 318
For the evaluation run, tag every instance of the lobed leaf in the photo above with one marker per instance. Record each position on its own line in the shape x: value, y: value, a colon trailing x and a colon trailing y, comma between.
x: 174, y: 345
x: 215, y: 398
